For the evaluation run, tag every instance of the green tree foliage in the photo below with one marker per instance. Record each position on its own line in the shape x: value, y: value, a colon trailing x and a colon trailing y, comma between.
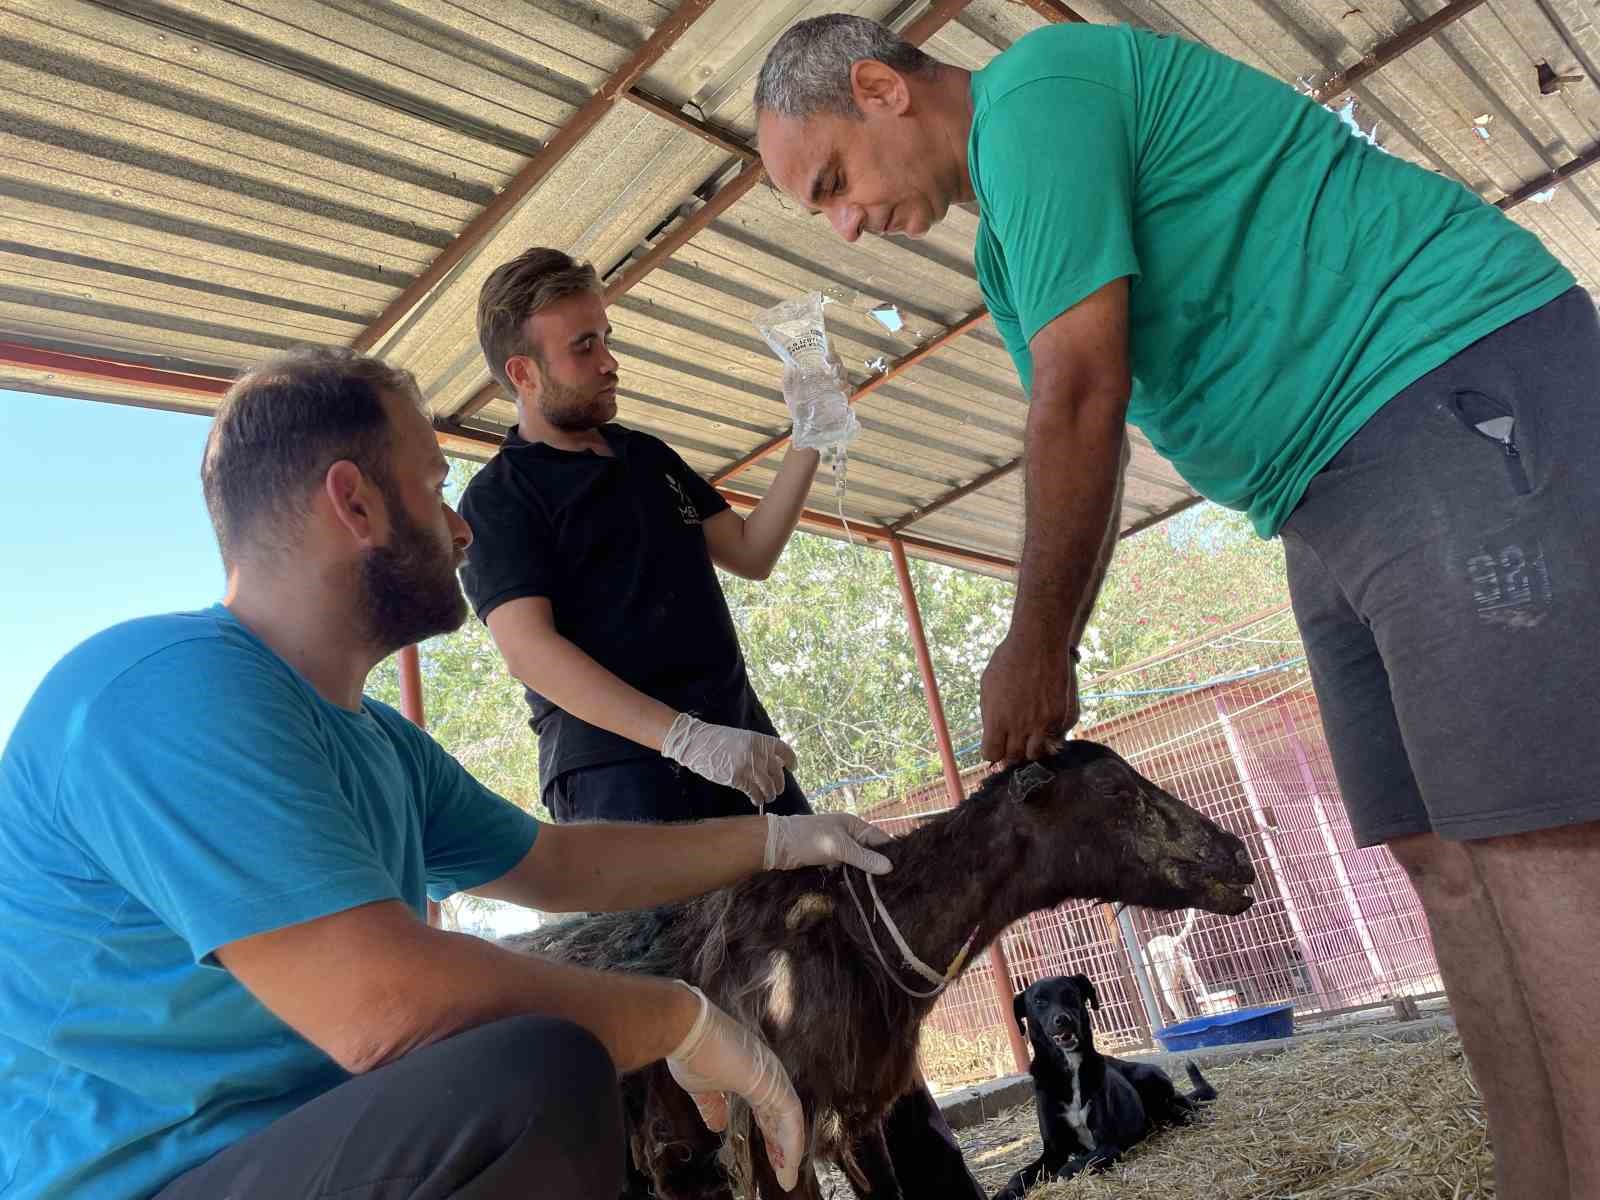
x: 1185, y: 579
x: 826, y: 641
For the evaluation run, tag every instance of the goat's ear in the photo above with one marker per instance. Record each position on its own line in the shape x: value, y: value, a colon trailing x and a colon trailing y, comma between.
x: 1019, y: 1010
x: 1087, y: 988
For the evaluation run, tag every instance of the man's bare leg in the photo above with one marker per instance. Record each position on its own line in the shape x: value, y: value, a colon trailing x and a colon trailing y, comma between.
x: 1492, y: 1017
x: 1546, y: 890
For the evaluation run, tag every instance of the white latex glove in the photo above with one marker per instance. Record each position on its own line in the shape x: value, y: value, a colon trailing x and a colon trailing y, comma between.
x: 738, y: 758
x: 720, y: 1056
x: 820, y: 840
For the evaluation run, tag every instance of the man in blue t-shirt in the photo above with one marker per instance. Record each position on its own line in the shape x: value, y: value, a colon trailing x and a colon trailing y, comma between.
x: 216, y: 976
x: 1372, y: 362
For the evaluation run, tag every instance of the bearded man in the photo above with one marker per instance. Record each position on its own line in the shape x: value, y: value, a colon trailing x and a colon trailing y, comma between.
x: 216, y: 976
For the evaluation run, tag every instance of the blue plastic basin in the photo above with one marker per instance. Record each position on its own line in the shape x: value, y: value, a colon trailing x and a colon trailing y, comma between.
x: 1245, y: 1025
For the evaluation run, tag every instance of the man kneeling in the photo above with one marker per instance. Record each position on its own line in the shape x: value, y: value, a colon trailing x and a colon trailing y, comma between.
x: 216, y: 978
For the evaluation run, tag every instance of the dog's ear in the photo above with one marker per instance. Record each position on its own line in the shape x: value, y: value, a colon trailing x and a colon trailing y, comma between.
x: 1087, y: 988
x: 1019, y: 1010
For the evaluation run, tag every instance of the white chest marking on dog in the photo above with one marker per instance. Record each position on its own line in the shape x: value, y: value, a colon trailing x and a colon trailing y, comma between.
x: 1077, y: 1111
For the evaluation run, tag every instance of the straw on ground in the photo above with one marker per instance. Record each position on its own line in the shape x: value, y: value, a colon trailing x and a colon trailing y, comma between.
x: 1375, y: 1121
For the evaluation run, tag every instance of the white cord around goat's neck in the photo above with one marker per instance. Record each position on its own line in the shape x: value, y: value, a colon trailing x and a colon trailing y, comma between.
x: 939, y: 981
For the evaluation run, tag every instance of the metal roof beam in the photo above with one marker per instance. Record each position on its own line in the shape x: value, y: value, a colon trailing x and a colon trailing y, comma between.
x: 478, y: 444
x: 85, y: 366
x: 628, y: 273
x: 1386, y: 52
x: 880, y: 536
x: 453, y: 437
x: 723, y: 139
x: 1056, y: 12
x: 1000, y: 472
x: 960, y: 493
x: 1529, y: 190
x: 536, y: 169
x: 723, y: 199
x: 153, y: 387
x: 904, y: 363
x: 924, y: 27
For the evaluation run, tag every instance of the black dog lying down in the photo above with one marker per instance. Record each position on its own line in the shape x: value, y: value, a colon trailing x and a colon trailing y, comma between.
x: 1092, y: 1107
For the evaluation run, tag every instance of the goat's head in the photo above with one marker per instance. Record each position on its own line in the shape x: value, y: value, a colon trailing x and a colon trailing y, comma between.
x: 1092, y: 826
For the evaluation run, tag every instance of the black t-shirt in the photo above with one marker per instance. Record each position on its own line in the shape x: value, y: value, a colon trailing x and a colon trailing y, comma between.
x: 616, y: 546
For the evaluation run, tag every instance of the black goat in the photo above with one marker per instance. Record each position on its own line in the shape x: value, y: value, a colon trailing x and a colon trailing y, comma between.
x: 797, y: 954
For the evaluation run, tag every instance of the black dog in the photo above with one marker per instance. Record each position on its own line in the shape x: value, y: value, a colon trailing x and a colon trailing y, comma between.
x: 1092, y: 1108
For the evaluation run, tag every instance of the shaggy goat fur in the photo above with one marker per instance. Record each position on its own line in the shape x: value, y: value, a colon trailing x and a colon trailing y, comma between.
x: 787, y: 952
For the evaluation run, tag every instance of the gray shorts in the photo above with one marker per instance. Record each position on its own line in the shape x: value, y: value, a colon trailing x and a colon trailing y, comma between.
x: 1445, y: 573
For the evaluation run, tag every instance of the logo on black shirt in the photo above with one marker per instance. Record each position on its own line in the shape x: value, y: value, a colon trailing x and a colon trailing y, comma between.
x: 686, y: 508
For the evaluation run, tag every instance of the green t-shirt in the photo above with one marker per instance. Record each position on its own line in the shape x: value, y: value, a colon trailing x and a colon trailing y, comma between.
x: 1287, y: 278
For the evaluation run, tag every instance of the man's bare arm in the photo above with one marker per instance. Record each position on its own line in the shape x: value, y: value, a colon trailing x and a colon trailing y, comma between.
x: 370, y: 984
x: 1075, y: 449
x: 751, y: 546
x: 611, y: 866
x: 524, y: 630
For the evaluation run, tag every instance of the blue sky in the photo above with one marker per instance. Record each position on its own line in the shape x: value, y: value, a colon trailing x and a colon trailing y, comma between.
x: 103, y: 521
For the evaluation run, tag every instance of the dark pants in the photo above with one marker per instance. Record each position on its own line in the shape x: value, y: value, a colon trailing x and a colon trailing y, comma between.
x: 926, y: 1157
x: 523, y: 1107
x: 656, y: 789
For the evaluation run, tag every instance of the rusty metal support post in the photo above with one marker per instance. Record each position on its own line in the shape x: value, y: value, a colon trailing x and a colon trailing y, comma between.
x: 410, y: 664
x: 1268, y: 827
x: 952, y: 780
x: 1147, y: 994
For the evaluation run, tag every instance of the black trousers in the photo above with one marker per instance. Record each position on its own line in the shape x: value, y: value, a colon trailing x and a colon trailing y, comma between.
x: 656, y: 789
x: 523, y: 1107
x: 926, y: 1156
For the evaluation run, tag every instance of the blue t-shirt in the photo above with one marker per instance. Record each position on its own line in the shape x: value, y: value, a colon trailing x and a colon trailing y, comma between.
x: 174, y: 786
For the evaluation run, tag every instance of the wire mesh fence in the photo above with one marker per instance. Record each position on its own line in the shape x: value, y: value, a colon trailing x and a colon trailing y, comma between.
x: 1231, y: 726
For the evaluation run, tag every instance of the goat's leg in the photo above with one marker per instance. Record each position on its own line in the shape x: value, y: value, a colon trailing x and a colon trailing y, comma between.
x: 673, y: 1146
x: 767, y: 1187
x: 869, y: 1169
x: 926, y: 1156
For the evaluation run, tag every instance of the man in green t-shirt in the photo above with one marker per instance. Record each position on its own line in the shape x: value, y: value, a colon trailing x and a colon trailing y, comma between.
x: 1365, y: 357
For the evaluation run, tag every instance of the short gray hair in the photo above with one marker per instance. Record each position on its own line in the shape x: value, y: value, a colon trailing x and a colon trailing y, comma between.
x: 808, y: 70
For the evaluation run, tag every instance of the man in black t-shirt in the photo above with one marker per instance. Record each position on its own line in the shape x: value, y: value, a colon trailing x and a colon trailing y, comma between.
x: 592, y: 564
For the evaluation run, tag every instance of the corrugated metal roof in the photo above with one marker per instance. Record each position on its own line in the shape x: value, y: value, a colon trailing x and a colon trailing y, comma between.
x: 191, y: 184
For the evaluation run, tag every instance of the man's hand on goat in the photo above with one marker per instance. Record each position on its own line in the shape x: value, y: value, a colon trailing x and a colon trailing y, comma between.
x: 719, y: 1056
x: 738, y: 758
x: 1029, y: 700
x: 818, y: 841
